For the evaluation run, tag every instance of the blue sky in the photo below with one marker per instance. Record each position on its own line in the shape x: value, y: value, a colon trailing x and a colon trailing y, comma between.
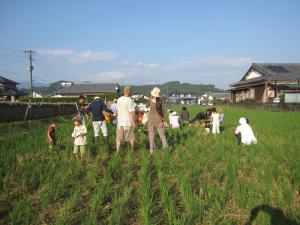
x: 142, y: 42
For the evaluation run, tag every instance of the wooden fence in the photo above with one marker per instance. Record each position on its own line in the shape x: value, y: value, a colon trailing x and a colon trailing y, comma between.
x: 24, y: 111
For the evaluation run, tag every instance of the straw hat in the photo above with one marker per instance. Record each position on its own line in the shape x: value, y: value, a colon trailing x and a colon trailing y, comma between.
x: 155, y: 92
x: 76, y: 118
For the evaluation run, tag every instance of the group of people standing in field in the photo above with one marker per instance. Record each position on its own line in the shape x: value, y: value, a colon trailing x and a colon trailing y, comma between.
x: 122, y: 113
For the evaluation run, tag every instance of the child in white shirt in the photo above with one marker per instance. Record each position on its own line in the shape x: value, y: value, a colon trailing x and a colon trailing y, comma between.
x: 80, y: 138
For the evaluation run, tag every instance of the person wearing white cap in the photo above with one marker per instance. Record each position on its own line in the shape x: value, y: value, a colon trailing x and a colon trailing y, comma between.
x: 97, y: 107
x: 156, y: 119
x: 244, y: 133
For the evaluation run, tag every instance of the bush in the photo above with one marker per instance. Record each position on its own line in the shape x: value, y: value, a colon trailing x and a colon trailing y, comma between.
x: 219, y: 101
x: 250, y: 101
x: 108, y: 97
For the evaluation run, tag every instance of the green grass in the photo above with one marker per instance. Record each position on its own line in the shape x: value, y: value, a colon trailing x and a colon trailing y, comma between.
x: 200, y: 179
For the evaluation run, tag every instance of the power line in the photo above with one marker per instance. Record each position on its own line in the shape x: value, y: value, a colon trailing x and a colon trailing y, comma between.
x: 10, y: 49
x: 18, y: 56
x: 45, y: 72
x: 41, y: 79
x: 37, y: 62
x: 5, y: 71
x: 41, y: 67
x: 5, y: 64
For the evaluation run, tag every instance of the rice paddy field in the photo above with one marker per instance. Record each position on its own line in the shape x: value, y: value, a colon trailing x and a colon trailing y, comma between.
x: 201, y: 179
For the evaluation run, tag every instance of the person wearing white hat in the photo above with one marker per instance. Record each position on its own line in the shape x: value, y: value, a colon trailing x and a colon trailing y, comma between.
x: 244, y: 133
x: 97, y: 107
x: 156, y: 119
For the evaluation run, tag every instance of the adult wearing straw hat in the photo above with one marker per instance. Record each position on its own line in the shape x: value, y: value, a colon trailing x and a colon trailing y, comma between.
x: 156, y: 119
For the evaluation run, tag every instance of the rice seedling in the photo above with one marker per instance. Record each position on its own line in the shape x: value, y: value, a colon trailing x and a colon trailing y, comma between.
x: 201, y: 179
x: 146, y: 193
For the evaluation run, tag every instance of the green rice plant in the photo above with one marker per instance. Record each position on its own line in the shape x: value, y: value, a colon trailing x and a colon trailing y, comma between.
x: 120, y: 201
x: 103, y: 188
x: 119, y: 206
x: 21, y: 211
x: 146, y: 191
x: 192, y: 203
x: 202, y: 179
x: 169, y: 204
x: 60, y: 184
x: 65, y: 213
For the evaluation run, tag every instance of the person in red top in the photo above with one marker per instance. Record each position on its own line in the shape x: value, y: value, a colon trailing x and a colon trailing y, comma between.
x: 51, y: 138
x: 140, y: 116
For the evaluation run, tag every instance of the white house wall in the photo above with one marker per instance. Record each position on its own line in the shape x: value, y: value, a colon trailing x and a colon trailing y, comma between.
x: 253, y: 74
x: 292, y: 97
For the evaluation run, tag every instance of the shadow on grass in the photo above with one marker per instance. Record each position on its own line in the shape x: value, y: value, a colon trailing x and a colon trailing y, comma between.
x: 276, y: 214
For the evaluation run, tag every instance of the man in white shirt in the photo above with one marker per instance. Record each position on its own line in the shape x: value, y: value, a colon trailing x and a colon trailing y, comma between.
x: 126, y: 119
x: 244, y: 132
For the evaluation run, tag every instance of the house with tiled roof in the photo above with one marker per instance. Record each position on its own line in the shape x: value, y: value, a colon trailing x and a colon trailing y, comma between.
x: 189, y: 98
x: 87, y: 89
x: 263, y: 82
x: 9, y: 90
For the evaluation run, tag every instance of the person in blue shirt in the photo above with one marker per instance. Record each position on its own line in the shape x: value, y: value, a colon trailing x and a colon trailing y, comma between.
x: 97, y: 108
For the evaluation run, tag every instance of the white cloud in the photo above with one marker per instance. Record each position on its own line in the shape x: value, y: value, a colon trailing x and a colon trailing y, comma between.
x: 140, y: 64
x: 218, y: 70
x: 208, y: 62
x: 79, y: 57
x: 56, y: 52
x: 108, y: 76
x: 126, y: 62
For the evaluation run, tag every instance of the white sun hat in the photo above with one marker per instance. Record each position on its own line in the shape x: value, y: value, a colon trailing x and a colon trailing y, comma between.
x: 174, y: 113
x: 243, y: 121
x: 96, y: 98
x: 155, y: 92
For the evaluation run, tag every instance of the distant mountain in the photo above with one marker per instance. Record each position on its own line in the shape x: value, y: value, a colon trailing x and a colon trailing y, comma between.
x: 166, y: 89
x: 26, y: 85
x: 45, y: 90
x: 176, y: 86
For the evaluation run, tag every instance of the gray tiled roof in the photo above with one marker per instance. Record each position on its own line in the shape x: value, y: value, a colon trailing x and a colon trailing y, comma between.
x: 272, y: 72
x: 5, y: 80
x: 88, y: 88
x: 11, y: 92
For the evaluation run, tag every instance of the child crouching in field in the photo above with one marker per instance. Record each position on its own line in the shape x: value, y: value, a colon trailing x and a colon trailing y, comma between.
x: 80, y: 138
x: 51, y: 138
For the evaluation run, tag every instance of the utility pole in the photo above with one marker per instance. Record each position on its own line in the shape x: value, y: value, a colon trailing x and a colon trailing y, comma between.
x: 30, y: 52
